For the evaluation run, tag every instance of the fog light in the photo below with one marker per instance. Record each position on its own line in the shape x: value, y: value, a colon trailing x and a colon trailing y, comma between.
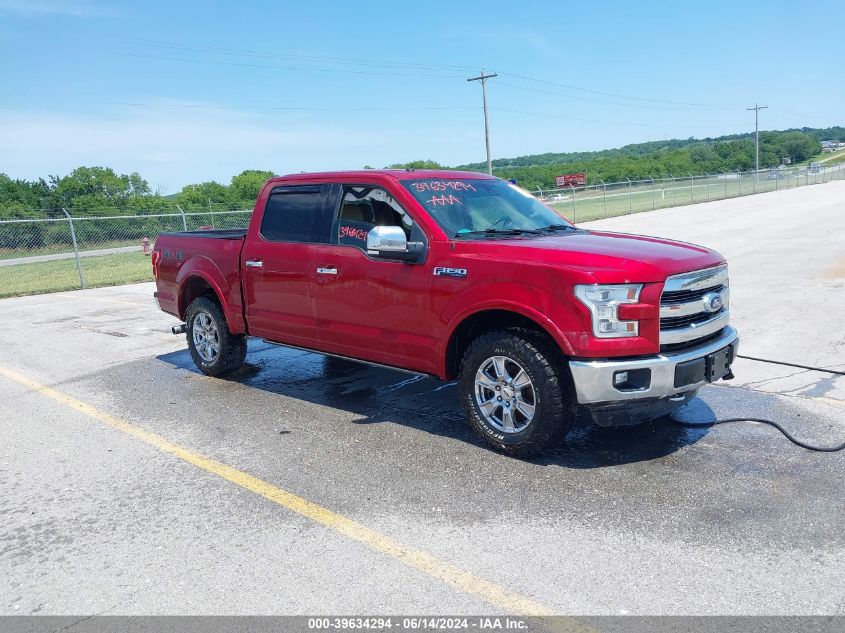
x: 632, y: 380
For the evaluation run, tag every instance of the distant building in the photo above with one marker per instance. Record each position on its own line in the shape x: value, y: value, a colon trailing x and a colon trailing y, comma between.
x: 830, y: 146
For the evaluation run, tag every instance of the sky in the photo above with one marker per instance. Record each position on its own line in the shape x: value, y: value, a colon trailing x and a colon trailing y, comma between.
x: 186, y: 92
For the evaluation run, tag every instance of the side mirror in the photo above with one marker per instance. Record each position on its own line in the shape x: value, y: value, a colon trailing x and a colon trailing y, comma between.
x: 387, y: 241
x: 390, y: 242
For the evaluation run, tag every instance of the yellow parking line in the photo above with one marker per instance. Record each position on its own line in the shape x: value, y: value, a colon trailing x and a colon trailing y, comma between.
x: 465, y: 581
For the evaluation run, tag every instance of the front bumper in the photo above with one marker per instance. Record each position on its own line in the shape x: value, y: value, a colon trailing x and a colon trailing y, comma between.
x: 594, y: 378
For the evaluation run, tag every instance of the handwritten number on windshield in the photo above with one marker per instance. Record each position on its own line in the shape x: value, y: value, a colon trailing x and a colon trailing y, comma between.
x: 443, y: 200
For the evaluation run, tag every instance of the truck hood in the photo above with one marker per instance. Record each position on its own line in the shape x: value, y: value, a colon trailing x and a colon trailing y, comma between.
x: 608, y: 257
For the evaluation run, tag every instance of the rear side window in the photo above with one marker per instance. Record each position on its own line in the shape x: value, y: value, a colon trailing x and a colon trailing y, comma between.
x: 293, y: 214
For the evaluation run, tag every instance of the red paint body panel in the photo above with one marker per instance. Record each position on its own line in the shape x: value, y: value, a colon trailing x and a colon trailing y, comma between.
x: 401, y: 314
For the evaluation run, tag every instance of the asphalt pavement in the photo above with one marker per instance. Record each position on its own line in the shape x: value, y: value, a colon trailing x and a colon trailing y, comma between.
x: 132, y: 484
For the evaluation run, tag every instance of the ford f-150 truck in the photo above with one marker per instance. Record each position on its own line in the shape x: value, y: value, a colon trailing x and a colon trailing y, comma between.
x: 464, y: 277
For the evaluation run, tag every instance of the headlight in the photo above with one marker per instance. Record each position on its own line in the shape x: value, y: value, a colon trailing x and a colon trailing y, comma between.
x: 603, y: 303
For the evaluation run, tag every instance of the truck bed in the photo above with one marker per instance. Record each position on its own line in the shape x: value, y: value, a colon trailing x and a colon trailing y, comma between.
x: 210, y: 254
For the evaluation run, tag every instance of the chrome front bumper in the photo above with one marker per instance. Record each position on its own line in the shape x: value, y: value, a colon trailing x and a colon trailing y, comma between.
x: 594, y: 379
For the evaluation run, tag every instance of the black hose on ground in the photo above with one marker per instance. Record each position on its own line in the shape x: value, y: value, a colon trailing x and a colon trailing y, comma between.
x: 789, y: 436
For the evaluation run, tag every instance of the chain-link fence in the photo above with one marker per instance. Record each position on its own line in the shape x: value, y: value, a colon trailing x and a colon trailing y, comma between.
x: 50, y: 251
x: 61, y: 251
x: 605, y: 200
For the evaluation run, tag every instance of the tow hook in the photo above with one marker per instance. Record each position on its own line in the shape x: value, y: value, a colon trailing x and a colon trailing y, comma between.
x: 179, y: 329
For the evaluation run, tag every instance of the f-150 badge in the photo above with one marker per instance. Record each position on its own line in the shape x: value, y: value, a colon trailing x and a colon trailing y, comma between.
x: 441, y: 271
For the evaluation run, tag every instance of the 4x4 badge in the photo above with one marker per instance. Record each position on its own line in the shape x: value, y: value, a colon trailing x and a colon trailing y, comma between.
x: 442, y: 271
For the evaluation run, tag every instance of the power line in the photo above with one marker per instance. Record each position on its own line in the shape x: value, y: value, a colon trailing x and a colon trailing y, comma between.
x: 612, y: 94
x: 571, y: 118
x: 398, y: 65
x: 313, y: 58
x: 295, y: 68
x: 202, y: 106
x: 594, y: 100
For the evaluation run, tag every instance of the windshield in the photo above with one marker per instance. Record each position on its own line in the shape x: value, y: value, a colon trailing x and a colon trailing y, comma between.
x: 468, y: 207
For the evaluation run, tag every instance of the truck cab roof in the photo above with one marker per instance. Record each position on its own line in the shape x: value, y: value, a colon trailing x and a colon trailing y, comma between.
x: 396, y: 174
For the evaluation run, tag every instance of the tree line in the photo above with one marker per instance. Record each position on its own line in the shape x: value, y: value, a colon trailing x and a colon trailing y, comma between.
x: 94, y: 191
x: 89, y: 191
x: 655, y: 159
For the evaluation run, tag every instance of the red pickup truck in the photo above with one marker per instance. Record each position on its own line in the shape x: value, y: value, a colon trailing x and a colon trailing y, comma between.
x: 464, y: 277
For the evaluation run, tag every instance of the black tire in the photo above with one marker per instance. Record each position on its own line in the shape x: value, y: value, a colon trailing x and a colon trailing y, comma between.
x: 232, y: 347
x: 553, y: 395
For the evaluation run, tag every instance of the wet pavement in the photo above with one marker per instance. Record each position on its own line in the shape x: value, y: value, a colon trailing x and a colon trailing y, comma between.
x: 648, y: 519
x: 655, y: 518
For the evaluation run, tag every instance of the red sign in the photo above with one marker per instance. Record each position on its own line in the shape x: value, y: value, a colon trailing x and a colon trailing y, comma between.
x: 571, y: 180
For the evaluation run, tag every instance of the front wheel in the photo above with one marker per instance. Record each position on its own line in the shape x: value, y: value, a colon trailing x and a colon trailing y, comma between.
x: 214, y: 349
x: 515, y: 393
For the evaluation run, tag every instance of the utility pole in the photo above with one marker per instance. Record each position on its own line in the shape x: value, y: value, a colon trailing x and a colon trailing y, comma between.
x: 757, y: 109
x: 483, y: 79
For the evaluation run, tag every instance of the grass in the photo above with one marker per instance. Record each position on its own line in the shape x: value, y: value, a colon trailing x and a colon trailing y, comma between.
x: 52, y: 249
x: 55, y: 276
x: 593, y: 205
x: 831, y: 158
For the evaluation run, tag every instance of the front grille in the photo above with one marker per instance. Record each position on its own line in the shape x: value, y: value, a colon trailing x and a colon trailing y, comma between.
x: 671, y: 297
x: 672, y: 323
x: 684, y: 319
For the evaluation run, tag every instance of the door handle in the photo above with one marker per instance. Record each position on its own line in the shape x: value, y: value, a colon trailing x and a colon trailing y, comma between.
x: 327, y: 271
x: 254, y: 263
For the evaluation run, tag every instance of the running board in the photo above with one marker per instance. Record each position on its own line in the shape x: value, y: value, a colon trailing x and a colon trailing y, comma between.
x: 351, y: 359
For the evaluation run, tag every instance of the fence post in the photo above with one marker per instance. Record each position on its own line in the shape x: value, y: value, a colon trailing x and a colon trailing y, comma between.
x: 652, y: 194
x: 739, y: 182
x: 574, y: 212
x: 707, y: 178
x: 691, y: 188
x: 184, y: 222
x: 630, y: 194
x: 604, y: 195
x: 725, y: 176
x: 75, y: 249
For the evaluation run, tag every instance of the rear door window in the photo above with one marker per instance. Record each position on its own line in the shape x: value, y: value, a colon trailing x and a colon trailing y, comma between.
x: 296, y: 214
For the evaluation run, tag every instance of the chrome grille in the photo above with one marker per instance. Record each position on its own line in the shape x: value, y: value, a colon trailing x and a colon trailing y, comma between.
x: 684, y: 296
x: 686, y: 312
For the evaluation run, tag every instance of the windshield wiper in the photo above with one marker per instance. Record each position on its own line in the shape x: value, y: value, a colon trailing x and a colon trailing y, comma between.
x: 558, y: 227
x: 498, y: 232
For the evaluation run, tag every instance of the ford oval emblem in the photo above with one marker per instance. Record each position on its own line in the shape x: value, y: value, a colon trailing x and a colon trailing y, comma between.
x: 712, y: 302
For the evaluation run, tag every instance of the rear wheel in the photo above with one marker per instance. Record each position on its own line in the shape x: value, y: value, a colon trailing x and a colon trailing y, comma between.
x: 214, y: 349
x: 514, y: 392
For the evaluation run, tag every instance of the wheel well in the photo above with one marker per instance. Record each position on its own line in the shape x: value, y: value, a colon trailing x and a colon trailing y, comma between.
x: 191, y: 289
x: 477, y: 324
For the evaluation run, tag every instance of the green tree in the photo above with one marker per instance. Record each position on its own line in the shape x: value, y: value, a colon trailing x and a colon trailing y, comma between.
x: 244, y: 187
x: 96, y: 188
x: 418, y: 164
x: 203, y: 195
